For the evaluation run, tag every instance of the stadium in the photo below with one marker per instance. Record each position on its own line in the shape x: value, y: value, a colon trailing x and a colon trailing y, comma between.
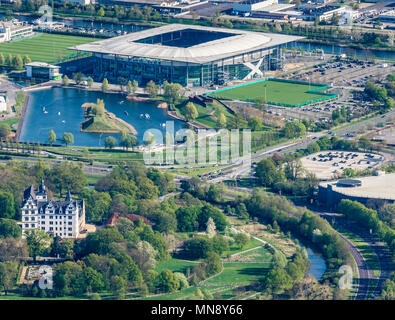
x: 187, y: 54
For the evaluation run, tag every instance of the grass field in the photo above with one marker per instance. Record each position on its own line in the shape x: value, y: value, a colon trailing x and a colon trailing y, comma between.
x: 276, y: 92
x: 44, y: 47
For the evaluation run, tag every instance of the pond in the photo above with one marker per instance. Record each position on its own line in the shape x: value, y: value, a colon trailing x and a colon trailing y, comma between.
x: 317, y: 264
x: 64, y: 114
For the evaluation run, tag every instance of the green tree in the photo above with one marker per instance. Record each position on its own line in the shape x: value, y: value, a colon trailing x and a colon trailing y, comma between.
x: 167, y: 281
x: 110, y: 142
x: 212, y: 263
x: 267, y: 173
x: 172, y: 92
x: 127, y: 141
x: 152, y: 89
x: 38, y: 242
x: 221, y: 120
x: 2, y: 60
x: 7, y: 205
x: 65, y: 80
x: 8, y: 60
x: 241, y: 240
x: 8, y: 275
x: 90, y: 82
x: 5, y: 130
x: 78, y: 77
x: 277, y: 280
x: 190, y: 112
x: 52, y: 137
x: 68, y: 138
x: 26, y: 59
x: 101, y: 12
x: 9, y: 228
x: 105, y: 86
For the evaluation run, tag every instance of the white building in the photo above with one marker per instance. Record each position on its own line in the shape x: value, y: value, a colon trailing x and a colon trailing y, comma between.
x: 252, y: 5
x: 42, y: 70
x: 10, y: 31
x: 57, y: 218
x: 3, y: 103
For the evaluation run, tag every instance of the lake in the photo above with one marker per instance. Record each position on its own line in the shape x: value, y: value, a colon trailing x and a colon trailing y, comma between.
x: 64, y: 114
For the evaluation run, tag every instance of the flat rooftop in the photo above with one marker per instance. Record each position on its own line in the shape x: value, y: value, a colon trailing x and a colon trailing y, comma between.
x: 374, y: 187
x: 155, y: 43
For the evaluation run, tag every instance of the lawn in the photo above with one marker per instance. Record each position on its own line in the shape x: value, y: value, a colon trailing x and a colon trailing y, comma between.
x: 44, y: 47
x: 277, y: 92
x: 176, y: 265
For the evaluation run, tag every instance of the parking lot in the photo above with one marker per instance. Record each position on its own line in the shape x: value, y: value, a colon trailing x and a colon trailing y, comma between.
x: 329, y: 165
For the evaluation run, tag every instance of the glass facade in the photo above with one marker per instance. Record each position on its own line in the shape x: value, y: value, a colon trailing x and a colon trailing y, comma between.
x: 245, y: 66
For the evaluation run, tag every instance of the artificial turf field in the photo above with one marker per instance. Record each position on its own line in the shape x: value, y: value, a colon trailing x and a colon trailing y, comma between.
x: 276, y: 92
x: 44, y: 47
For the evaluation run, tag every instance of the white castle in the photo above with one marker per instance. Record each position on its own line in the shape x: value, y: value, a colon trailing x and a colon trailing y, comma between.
x: 57, y: 218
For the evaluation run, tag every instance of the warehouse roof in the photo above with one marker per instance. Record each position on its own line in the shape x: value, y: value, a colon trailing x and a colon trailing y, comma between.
x: 234, y: 43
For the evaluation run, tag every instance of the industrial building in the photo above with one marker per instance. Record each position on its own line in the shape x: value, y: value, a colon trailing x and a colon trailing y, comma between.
x: 379, y: 187
x: 187, y: 54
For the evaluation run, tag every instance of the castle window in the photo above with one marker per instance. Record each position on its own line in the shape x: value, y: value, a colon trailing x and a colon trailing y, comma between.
x: 70, y: 229
x: 26, y: 225
x: 70, y: 234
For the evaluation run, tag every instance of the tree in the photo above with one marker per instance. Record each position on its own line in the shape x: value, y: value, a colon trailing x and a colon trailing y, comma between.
x: 210, y: 228
x: 8, y: 60
x: 167, y: 281
x: 67, y: 176
x: 2, y: 60
x: 135, y: 86
x: 38, y: 242
x: 389, y: 103
x: 221, y: 120
x: 9, y: 228
x: 277, y: 280
x: 110, y: 142
x: 255, y: 123
x: 8, y: 275
x: 172, y: 92
x: 152, y: 89
x: 267, y: 173
x: 68, y: 138
x: 127, y: 141
x: 5, y: 130
x: 7, y: 205
x: 118, y: 286
x: 190, y: 112
x: 52, y: 137
x: 279, y: 260
x: 130, y: 87
x: 78, y: 77
x: 26, y: 59
x: 100, y: 12
x: 94, y: 280
x: 90, y: 82
x: 241, y: 240
x: 65, y: 80
x: 294, y: 129
x: 17, y: 62
x: 105, y: 86
x: 213, y: 263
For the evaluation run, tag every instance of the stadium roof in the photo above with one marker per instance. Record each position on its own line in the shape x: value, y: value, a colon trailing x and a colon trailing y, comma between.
x: 238, y: 43
x: 374, y: 187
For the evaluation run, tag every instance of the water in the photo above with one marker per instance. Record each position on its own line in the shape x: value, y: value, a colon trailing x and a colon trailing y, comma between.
x: 317, y: 264
x: 351, y: 52
x: 67, y: 102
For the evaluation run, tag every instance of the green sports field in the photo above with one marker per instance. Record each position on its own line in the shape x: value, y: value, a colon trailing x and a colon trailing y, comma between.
x: 44, y: 47
x: 276, y: 92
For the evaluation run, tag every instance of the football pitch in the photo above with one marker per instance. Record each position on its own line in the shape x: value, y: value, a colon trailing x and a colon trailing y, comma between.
x: 44, y: 47
x: 275, y: 92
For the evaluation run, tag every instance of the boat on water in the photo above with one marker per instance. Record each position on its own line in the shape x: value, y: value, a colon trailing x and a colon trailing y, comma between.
x: 147, y: 115
x: 141, y: 115
x: 121, y: 102
x: 59, y: 113
x: 63, y: 121
x: 44, y: 110
x: 126, y: 113
x: 163, y: 124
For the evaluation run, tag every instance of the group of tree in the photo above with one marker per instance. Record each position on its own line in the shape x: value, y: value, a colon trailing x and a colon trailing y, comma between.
x: 16, y: 61
x: 368, y: 219
x: 126, y: 141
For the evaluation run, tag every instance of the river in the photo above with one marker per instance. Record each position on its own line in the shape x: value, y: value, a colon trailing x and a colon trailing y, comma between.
x: 317, y: 264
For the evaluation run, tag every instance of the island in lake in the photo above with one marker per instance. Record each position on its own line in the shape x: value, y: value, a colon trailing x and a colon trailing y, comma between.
x: 99, y: 120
